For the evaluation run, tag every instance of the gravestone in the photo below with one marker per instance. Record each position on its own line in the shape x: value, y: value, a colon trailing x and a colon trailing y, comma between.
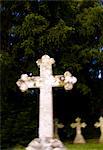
x: 100, y: 125
x: 45, y: 82
x: 57, y: 126
x: 78, y: 125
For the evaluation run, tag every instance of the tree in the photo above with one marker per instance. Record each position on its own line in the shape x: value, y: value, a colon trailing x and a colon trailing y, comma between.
x: 69, y: 31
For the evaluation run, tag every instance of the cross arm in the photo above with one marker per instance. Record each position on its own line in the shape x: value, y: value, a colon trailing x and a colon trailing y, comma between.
x: 83, y: 125
x: 60, y: 125
x: 66, y: 80
x: 73, y: 125
x: 26, y: 82
x: 97, y: 124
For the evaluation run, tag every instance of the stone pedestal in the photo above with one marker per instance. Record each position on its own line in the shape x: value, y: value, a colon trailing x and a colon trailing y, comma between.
x: 46, y: 144
x: 79, y: 139
x: 101, y: 139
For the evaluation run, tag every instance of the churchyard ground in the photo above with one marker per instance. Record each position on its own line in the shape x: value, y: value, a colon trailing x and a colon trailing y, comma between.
x: 90, y: 145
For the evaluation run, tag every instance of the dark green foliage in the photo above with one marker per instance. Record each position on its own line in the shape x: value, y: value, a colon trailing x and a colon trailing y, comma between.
x: 69, y: 31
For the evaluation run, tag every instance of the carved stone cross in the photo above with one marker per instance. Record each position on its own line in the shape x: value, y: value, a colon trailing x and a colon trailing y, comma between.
x: 45, y: 82
x: 100, y: 124
x: 57, y: 126
x: 78, y: 125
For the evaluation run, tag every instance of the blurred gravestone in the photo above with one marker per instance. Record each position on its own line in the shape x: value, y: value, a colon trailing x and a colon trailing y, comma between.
x: 57, y: 126
x: 100, y: 125
x: 78, y: 125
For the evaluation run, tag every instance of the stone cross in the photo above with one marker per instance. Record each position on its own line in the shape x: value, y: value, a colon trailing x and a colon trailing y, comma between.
x: 56, y: 127
x: 100, y: 124
x: 78, y: 125
x: 45, y: 82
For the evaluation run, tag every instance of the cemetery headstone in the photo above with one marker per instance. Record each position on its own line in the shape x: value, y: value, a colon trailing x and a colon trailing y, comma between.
x: 78, y: 125
x: 100, y: 125
x: 45, y: 82
x: 57, y: 126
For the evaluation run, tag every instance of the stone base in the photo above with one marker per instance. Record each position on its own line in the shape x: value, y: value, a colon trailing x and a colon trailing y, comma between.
x: 101, y: 139
x: 79, y: 139
x: 46, y: 144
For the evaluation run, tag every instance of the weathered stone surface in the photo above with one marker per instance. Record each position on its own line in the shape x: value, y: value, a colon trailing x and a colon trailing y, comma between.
x: 79, y: 139
x: 100, y: 125
x: 34, y: 144
x: 46, y: 144
x: 45, y: 82
x: 57, y: 126
x: 78, y: 125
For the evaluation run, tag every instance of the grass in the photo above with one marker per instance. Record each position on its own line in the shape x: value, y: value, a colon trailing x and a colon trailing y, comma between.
x: 90, y: 145
x: 87, y: 146
x: 17, y: 147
